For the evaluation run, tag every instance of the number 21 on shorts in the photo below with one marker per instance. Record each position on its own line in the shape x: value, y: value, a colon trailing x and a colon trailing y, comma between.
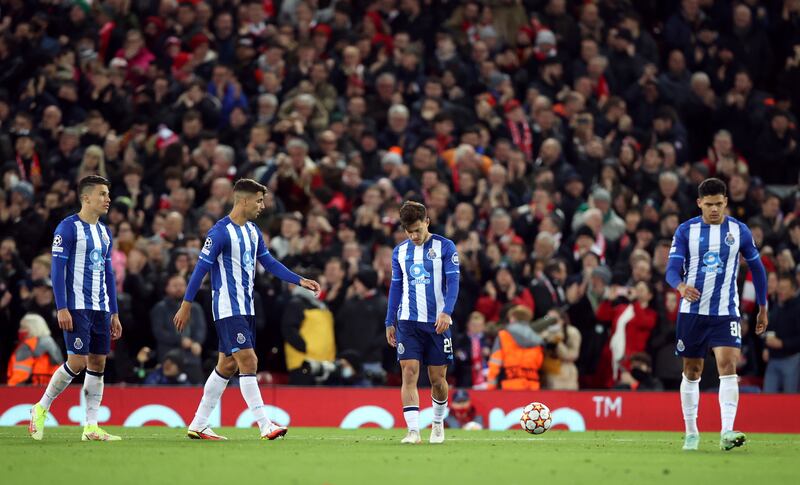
x: 736, y: 329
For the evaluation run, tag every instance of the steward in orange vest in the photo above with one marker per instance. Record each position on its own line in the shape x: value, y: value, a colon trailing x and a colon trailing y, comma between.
x: 517, y: 355
x: 37, y: 356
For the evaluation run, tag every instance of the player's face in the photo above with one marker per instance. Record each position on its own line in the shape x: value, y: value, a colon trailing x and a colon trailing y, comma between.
x: 713, y: 207
x: 418, y: 231
x: 97, y: 199
x: 255, y: 204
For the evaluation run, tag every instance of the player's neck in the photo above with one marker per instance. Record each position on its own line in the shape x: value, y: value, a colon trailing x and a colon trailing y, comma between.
x: 237, y: 217
x: 426, y: 239
x: 88, y: 217
x: 705, y: 221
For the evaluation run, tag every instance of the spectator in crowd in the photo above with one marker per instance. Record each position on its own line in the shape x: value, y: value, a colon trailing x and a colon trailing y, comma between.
x: 169, y: 372
x: 562, y: 347
x: 190, y: 340
x: 782, y: 351
x: 472, y: 350
x: 359, y: 323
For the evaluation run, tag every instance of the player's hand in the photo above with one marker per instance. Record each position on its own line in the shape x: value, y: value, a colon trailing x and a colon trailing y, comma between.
x: 391, y: 336
x: 116, y: 327
x: 64, y: 320
x: 689, y: 293
x: 182, y: 316
x: 311, y: 285
x: 443, y: 322
x: 761, y: 321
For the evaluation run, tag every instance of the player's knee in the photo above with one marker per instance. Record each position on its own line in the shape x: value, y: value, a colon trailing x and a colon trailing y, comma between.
x: 96, y: 363
x: 726, y: 367
x: 248, y: 364
x: 227, y: 369
x: 692, y: 370
x: 410, y: 373
x: 77, y: 363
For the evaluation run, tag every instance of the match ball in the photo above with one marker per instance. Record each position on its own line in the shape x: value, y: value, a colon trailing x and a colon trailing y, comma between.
x: 536, y: 418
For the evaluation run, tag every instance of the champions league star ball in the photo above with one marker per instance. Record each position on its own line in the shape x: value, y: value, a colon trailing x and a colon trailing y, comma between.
x: 536, y: 418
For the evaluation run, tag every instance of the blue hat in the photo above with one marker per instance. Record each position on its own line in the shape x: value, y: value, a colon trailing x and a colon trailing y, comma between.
x: 461, y: 395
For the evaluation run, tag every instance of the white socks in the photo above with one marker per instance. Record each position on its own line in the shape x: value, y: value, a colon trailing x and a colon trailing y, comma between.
x: 212, y: 392
x: 728, y: 400
x: 690, y: 400
x: 439, y: 410
x: 93, y: 392
x: 60, y: 380
x: 252, y: 396
x: 411, y: 413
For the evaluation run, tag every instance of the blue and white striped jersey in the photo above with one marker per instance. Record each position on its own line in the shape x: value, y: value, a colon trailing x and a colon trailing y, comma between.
x: 232, y: 251
x: 87, y: 249
x: 710, y: 254
x: 423, y: 271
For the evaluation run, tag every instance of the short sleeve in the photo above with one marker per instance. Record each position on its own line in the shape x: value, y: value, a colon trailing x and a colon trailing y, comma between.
x: 679, y: 244
x: 748, y: 247
x: 63, y: 240
x: 212, y: 246
x: 397, y: 271
x: 451, y: 264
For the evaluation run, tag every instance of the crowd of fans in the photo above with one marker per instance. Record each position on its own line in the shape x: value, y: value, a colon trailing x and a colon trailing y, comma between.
x: 558, y: 143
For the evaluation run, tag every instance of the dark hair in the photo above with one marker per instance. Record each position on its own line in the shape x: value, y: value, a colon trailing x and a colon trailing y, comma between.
x: 712, y: 186
x: 86, y: 183
x: 412, y: 212
x: 788, y: 276
x: 250, y: 186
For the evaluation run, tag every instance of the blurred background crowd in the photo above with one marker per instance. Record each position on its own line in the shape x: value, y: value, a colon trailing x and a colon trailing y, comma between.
x: 559, y: 143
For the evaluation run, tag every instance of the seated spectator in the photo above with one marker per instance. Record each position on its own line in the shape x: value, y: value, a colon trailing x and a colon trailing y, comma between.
x: 169, y: 372
x: 462, y: 413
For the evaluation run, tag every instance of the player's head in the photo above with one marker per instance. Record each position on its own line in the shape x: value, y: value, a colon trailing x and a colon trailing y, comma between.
x: 95, y: 194
x: 249, y: 196
x: 414, y: 219
x: 712, y: 199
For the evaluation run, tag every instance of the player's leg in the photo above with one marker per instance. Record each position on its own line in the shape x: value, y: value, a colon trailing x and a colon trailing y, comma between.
x: 691, y: 346
x: 727, y: 357
x: 438, y: 354
x: 410, y: 353
x: 241, y: 332
x: 99, y: 347
x: 76, y: 362
x: 212, y: 392
x: 439, y: 391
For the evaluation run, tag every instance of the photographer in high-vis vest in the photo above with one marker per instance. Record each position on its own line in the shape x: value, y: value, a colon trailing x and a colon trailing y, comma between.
x: 517, y: 355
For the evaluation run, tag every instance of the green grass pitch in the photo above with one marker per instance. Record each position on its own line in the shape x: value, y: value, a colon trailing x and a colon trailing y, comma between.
x: 156, y: 455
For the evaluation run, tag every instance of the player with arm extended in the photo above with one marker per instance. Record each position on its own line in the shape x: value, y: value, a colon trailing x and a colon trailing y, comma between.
x: 86, y: 300
x: 703, y: 265
x: 422, y: 295
x: 230, y: 251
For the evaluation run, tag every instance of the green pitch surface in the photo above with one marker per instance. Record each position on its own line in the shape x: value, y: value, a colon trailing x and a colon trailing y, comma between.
x: 155, y: 455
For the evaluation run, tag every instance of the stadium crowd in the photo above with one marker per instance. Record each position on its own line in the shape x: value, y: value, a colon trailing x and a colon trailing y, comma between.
x: 558, y: 143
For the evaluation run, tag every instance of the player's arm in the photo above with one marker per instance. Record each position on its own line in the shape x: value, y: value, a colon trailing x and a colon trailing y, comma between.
x: 208, y: 254
x: 452, y: 273
x: 63, y: 240
x: 111, y: 291
x: 278, y: 269
x: 677, y: 257
x: 753, y: 258
x: 395, y: 293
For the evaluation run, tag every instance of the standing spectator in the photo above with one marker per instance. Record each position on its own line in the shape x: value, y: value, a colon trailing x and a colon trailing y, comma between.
x: 359, y: 324
x: 517, y: 354
x: 562, y: 348
x: 782, y: 351
x: 308, y: 329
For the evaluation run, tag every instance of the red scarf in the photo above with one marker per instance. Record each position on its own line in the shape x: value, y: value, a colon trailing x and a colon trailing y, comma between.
x: 524, y: 140
x: 36, y: 169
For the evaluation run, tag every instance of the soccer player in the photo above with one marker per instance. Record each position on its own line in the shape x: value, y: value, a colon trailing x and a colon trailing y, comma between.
x: 86, y: 300
x: 230, y: 251
x: 703, y: 265
x: 423, y: 292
